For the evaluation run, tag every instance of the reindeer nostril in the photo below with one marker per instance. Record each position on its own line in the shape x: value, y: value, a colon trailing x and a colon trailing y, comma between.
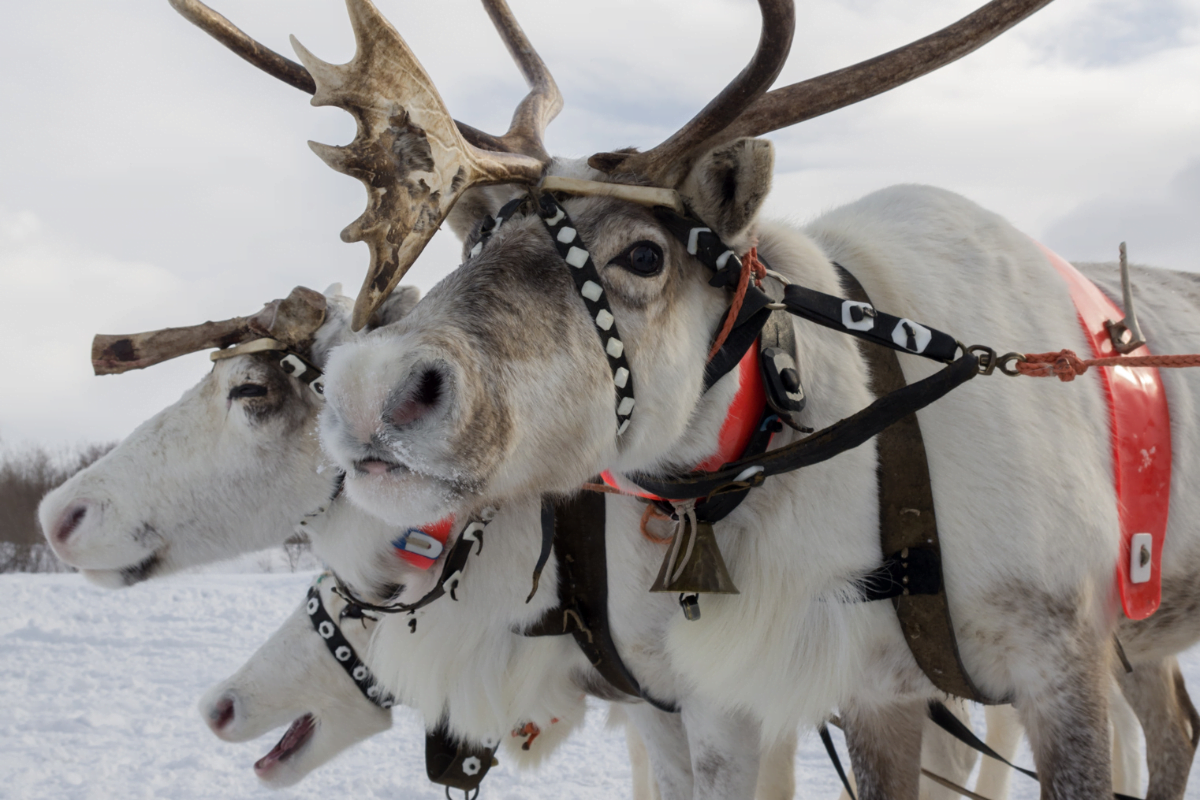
x: 69, y: 521
x: 221, y: 714
x: 428, y: 393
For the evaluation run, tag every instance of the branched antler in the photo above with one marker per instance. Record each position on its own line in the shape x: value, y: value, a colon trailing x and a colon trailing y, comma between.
x: 408, y: 153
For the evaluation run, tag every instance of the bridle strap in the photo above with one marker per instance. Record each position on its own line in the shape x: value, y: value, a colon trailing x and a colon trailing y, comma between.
x: 342, y: 651
x: 591, y: 290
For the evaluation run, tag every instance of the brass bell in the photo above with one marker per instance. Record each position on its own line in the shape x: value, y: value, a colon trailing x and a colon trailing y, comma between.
x: 704, y: 570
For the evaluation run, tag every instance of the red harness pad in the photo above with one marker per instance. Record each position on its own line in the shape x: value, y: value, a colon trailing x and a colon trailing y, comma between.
x: 1141, y: 426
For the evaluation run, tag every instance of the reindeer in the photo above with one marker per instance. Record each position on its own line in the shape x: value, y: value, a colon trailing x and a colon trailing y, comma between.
x: 750, y: 155
x: 496, y: 389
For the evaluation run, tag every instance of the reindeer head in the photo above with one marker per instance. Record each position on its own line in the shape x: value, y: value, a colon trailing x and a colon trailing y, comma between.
x: 230, y: 468
x: 507, y: 377
x: 294, y: 680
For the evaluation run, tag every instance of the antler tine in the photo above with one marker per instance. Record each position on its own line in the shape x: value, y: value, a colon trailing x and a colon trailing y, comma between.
x: 236, y: 40
x: 286, y: 70
x: 544, y: 101
x: 816, y: 96
x: 667, y: 163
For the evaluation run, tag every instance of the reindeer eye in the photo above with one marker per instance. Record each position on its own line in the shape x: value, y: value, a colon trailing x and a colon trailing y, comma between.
x: 247, y: 390
x: 642, y: 258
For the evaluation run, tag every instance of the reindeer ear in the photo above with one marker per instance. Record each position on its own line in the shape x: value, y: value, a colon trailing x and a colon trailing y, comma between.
x: 475, y: 204
x: 728, y: 184
x: 399, y: 303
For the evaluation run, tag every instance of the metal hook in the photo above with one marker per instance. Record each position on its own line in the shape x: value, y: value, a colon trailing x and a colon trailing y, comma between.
x: 1126, y: 335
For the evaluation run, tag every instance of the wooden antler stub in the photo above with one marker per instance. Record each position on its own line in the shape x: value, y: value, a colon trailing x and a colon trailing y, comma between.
x: 293, y: 321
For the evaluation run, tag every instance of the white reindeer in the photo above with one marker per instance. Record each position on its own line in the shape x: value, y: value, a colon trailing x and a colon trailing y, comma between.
x: 496, y: 390
x: 193, y: 475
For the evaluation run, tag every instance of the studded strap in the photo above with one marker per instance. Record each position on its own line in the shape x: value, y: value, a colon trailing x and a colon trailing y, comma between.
x: 587, y: 282
x: 342, y: 651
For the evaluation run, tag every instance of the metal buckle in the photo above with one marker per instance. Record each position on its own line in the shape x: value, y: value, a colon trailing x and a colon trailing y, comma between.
x: 986, y: 357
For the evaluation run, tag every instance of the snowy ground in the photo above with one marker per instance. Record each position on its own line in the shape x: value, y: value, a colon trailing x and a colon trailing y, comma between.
x: 98, y: 693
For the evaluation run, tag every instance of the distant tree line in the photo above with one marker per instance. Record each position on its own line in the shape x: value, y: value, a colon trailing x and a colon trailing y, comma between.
x: 25, y: 477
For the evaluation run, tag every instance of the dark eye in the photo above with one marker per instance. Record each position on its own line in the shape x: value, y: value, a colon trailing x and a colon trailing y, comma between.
x: 641, y: 258
x: 247, y: 390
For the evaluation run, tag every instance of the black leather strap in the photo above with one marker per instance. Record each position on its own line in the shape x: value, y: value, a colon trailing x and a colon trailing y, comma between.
x: 341, y: 649
x: 839, y: 437
x: 456, y: 764
x: 908, y: 529
x: 582, y: 609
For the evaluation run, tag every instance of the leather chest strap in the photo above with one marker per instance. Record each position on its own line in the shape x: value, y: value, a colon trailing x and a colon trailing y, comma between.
x: 582, y: 609
x: 908, y: 524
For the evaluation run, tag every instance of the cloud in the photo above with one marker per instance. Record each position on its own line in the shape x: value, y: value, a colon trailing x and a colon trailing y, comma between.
x: 1160, y: 229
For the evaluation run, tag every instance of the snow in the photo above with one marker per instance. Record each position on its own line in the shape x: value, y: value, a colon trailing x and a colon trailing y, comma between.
x: 98, y: 692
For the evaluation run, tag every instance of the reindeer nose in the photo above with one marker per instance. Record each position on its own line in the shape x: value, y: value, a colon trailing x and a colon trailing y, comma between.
x: 70, y: 520
x: 221, y: 714
x: 429, y: 388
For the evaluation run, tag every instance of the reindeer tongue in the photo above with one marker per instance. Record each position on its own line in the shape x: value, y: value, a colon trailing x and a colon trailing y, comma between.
x: 295, y: 738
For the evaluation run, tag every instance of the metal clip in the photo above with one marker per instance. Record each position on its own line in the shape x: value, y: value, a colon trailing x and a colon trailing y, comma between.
x: 986, y: 357
x: 1126, y: 335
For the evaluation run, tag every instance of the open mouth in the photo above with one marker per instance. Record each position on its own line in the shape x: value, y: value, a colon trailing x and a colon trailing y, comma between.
x: 293, y: 740
x: 141, y: 570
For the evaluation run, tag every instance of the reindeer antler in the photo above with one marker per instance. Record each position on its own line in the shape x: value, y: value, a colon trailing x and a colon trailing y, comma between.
x: 293, y: 321
x: 286, y: 70
x: 666, y: 164
x: 833, y: 90
x: 752, y: 111
x: 408, y: 153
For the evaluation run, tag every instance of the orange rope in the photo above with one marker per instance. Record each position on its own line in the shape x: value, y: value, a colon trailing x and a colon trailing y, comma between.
x: 530, y: 730
x: 651, y: 511
x: 750, y: 266
x: 1065, y: 365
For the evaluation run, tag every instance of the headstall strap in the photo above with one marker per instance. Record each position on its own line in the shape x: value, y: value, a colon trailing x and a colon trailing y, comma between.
x: 291, y: 363
x: 341, y: 649
x: 587, y: 281
x: 572, y: 250
x: 582, y: 611
x: 912, y: 572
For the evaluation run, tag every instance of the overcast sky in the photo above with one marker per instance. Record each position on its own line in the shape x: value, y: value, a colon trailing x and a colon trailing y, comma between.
x: 149, y: 178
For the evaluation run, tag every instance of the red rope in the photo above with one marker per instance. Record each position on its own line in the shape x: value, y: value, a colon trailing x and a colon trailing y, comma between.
x: 1065, y: 365
x: 649, y: 536
x: 750, y: 266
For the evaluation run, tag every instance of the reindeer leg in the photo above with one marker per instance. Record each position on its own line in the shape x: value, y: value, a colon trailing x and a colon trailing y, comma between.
x: 1003, y: 735
x: 1159, y: 698
x: 1127, y: 757
x: 724, y: 748
x: 1064, y: 707
x: 945, y: 756
x: 777, y: 771
x: 644, y: 785
x: 666, y: 745
x: 885, y: 748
